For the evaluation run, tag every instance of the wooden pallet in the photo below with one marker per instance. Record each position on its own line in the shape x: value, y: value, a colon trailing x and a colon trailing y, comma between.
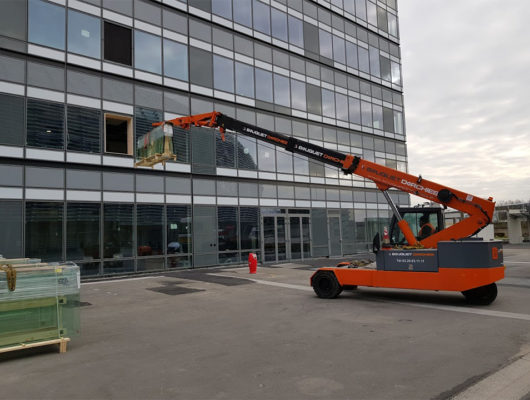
x: 61, y: 342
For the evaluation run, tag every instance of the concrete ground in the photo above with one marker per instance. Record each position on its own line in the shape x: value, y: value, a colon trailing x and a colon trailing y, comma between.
x: 214, y: 334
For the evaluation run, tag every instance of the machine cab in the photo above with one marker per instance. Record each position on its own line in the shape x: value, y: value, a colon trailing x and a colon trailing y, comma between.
x: 424, y: 221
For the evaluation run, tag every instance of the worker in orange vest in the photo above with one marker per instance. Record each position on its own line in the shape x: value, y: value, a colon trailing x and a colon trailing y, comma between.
x: 426, y: 228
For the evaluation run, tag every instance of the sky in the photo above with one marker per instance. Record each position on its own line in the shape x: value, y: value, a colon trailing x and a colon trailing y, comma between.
x: 466, y: 80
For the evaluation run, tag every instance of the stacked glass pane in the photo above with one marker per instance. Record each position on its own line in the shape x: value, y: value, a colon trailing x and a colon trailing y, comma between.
x: 44, y: 304
x: 154, y: 142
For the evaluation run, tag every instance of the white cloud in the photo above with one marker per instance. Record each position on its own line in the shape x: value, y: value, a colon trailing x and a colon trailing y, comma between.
x: 466, y: 69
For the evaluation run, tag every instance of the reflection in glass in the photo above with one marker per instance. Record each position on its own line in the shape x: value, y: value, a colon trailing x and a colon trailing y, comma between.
x: 298, y: 95
x: 366, y: 113
x: 147, y: 52
x: 339, y: 50
x: 377, y: 116
x: 244, y: 80
x: 249, y: 228
x: 364, y: 63
x: 326, y: 46
x: 223, y: 74
x: 374, y: 62
x: 263, y: 85
x: 262, y: 19
x: 351, y: 55
x: 84, y: 34
x: 266, y: 157
x: 175, y: 60
x: 360, y: 9
x: 44, y: 231
x: 82, y: 231
x: 222, y: 8
x: 342, y: 106
x: 46, y: 24
x: 243, y: 12
x: 149, y: 230
x: 398, y: 122
x: 279, y: 24
x: 117, y: 230
x: 396, y: 73
x: 296, y: 31
x: 247, y: 156
x: 282, y: 94
x: 328, y: 103
x: 284, y: 160
x: 179, y: 224
x: 301, y: 165
x: 227, y: 228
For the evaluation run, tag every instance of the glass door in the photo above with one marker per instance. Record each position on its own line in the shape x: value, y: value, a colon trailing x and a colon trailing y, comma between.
x: 296, y: 237
x: 274, y: 238
x: 335, y: 247
x: 306, y: 239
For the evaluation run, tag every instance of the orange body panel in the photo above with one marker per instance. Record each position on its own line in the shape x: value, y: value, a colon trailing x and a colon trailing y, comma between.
x: 450, y: 279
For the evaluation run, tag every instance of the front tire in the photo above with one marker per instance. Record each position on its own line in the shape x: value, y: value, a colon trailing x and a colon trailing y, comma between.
x: 482, y: 295
x: 326, y: 285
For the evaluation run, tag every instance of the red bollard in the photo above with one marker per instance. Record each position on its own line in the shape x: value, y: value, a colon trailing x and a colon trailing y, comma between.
x: 252, y: 263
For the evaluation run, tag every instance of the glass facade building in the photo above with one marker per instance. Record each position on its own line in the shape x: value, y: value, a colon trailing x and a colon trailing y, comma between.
x: 81, y: 80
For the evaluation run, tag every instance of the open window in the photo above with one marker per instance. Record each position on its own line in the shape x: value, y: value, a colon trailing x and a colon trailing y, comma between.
x: 118, y: 134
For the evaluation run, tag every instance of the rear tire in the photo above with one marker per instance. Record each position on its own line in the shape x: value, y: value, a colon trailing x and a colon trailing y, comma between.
x: 326, y: 285
x: 482, y: 295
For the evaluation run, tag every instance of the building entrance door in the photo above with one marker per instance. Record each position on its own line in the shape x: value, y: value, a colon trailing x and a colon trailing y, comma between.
x: 285, y: 237
x: 204, y: 236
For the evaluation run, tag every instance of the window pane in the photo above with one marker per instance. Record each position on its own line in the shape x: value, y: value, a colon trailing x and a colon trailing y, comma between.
x: 144, y: 118
x: 314, y: 99
x: 338, y: 50
x: 222, y: 8
x: 249, y: 228
x: 149, y: 230
x: 364, y: 63
x: 284, y: 161
x: 355, y: 110
x: 82, y: 231
x: 266, y: 157
x: 342, y: 106
x: 46, y: 24
x: 282, y: 94
x: 227, y: 228
x: 396, y: 73
x: 279, y: 24
x: 83, y: 129
x: 179, y: 226
x: 378, y: 117
x: 366, y: 113
x: 11, y: 232
x: 243, y: 12
x: 351, y: 55
x: 392, y: 25
x: 225, y: 151
x: 118, y: 43
x: 374, y: 62
x: 382, y: 21
x: 328, y: 103
x: 360, y: 9
x: 263, y: 85
x: 201, y: 67
x: 247, y: 157
x: 223, y: 74
x: 385, y: 69
x: 147, y: 52
x: 181, y: 144
x: 262, y: 19
x: 44, y: 231
x: 311, y: 38
x: 301, y: 165
x: 244, y: 80
x: 117, y: 230
x: 12, y: 117
x: 175, y: 60
x: 398, y: 122
x: 296, y: 31
x: 84, y: 34
x: 45, y: 124
x: 299, y: 95
x: 326, y: 46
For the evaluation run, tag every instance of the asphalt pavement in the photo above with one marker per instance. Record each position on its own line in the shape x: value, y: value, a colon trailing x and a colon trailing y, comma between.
x: 225, y: 334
